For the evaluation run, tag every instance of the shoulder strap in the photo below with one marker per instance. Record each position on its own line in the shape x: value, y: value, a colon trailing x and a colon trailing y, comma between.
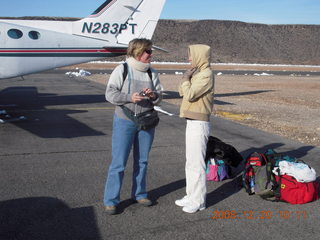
x: 125, y: 73
x: 150, y: 73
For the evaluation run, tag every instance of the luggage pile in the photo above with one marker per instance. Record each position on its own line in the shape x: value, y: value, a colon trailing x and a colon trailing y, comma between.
x: 280, y: 177
x: 222, y: 160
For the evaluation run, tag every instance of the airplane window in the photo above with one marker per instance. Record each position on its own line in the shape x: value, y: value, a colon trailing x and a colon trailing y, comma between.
x: 15, y: 33
x: 34, y: 35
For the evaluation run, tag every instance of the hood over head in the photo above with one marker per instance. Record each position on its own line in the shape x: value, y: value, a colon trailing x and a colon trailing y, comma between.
x: 200, y: 55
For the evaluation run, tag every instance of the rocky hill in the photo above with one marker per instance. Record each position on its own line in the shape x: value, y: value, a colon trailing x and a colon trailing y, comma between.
x: 235, y: 42
x: 239, y: 42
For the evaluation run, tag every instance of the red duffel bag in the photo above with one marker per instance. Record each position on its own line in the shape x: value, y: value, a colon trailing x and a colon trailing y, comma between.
x: 294, y: 192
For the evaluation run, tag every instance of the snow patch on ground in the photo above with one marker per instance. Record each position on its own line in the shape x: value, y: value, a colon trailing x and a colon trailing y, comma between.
x: 81, y: 73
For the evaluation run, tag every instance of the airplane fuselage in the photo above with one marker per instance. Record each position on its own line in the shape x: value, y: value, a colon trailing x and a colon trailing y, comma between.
x: 26, y: 49
x: 29, y: 46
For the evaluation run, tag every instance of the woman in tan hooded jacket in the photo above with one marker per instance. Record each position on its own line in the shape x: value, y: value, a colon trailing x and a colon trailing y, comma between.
x: 197, y: 90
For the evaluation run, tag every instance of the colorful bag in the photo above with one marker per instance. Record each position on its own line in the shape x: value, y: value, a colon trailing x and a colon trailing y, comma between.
x: 259, y: 180
x: 216, y: 170
x: 264, y: 180
x: 258, y: 177
x: 212, y: 172
x: 294, y: 192
x: 275, y: 158
x: 222, y: 170
x: 256, y: 159
x: 248, y: 179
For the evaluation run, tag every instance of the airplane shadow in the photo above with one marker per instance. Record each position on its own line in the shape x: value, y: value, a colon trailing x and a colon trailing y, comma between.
x: 44, y: 122
x: 175, y: 95
x: 46, y: 218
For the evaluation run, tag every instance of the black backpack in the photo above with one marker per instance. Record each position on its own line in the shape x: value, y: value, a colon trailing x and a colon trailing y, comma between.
x: 220, y: 150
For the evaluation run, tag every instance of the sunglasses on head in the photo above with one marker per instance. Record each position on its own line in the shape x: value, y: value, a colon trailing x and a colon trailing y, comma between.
x: 149, y: 51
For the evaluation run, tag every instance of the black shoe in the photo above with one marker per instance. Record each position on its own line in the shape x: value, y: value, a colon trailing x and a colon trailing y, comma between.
x: 145, y: 202
x: 110, y: 210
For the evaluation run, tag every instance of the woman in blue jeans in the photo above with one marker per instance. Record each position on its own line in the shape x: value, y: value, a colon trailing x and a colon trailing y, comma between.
x: 136, y: 87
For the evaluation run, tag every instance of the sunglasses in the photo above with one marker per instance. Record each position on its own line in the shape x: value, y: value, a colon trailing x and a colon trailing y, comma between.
x: 149, y: 51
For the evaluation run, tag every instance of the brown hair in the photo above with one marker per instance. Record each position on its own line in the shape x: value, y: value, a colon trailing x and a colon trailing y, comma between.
x: 137, y: 46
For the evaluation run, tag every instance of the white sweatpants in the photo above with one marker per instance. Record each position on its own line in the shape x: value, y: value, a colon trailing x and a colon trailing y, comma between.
x: 197, y: 133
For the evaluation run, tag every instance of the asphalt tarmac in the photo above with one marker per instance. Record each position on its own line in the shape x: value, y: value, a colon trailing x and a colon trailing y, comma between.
x: 54, y: 164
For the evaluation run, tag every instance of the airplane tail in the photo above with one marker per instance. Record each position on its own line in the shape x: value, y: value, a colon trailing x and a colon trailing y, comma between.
x: 143, y: 21
x: 121, y: 20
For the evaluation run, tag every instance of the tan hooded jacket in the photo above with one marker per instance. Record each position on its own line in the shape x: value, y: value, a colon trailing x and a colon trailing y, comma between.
x: 197, y: 93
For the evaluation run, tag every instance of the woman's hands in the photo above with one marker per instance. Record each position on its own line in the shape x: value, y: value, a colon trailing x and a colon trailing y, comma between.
x: 135, y: 97
x: 188, y: 74
x: 146, y: 93
x: 149, y: 93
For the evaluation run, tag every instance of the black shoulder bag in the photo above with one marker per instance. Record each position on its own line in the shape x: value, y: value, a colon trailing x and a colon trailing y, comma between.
x: 145, y: 120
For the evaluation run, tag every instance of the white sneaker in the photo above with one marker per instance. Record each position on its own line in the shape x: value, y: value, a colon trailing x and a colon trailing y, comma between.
x: 182, y: 202
x: 191, y: 209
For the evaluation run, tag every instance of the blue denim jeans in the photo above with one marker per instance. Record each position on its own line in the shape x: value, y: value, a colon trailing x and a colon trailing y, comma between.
x: 124, y: 136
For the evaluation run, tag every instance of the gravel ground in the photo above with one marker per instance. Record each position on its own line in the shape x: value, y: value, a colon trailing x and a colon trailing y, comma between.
x: 284, y: 105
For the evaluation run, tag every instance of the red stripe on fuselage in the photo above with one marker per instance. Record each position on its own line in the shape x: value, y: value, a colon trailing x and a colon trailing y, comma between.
x: 62, y: 50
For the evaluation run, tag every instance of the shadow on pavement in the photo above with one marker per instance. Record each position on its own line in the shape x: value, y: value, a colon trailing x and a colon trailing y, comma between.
x: 46, y: 218
x: 44, y: 122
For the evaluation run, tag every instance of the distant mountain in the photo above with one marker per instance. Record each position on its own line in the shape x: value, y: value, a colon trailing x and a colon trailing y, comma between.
x: 235, y: 42
x: 239, y: 42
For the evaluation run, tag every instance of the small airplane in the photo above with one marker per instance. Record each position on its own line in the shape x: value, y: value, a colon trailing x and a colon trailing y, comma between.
x: 30, y: 46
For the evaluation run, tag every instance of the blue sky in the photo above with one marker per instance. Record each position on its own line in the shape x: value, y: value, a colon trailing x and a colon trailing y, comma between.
x: 254, y: 11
